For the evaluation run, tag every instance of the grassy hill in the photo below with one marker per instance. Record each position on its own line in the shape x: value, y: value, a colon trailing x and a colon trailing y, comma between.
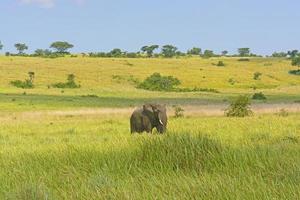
x: 116, y: 77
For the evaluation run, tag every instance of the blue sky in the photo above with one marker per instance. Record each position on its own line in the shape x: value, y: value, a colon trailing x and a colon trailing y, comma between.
x: 101, y: 25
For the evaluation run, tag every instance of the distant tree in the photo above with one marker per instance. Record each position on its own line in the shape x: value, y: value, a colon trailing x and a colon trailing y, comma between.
x: 61, y: 47
x: 149, y: 49
x: 208, y: 54
x: 244, y: 52
x: 116, y: 53
x: 224, y: 53
x: 1, y: 46
x: 168, y: 51
x: 279, y: 54
x: 21, y: 47
x: 293, y: 53
x: 296, y: 61
x: 194, y: 51
x: 42, y: 52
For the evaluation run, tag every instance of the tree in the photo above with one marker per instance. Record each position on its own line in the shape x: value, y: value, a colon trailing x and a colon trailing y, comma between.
x: 224, y: 53
x: 116, y: 53
x: 296, y: 61
x: 1, y: 46
x: 42, y: 52
x: 244, y: 52
x: 239, y: 107
x: 279, y: 54
x: 61, y: 47
x: 21, y: 47
x: 149, y: 49
x: 293, y: 53
x: 194, y: 51
x: 168, y: 51
x: 208, y: 54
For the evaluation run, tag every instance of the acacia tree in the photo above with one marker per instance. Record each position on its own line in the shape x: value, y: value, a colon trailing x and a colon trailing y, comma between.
x: 116, y: 53
x: 224, y: 53
x: 21, y: 47
x: 168, y: 51
x: 243, y: 52
x: 194, y: 51
x: 61, y: 47
x: 208, y: 54
x: 149, y: 49
x: 293, y: 53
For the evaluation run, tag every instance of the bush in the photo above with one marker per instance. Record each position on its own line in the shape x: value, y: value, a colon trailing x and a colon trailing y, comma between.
x: 257, y: 75
x: 231, y: 81
x: 295, y: 72
x: 259, y: 96
x: 244, y: 59
x: 22, y: 84
x: 296, y: 61
x: 157, y: 82
x: 220, y: 64
x: 27, y: 84
x: 239, y: 108
x: 178, y: 111
x: 69, y: 84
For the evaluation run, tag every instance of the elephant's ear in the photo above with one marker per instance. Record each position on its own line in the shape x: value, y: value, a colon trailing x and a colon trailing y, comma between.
x: 147, y: 108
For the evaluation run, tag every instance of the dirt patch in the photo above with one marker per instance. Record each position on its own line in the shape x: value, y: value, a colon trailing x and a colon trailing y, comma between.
x: 201, y: 110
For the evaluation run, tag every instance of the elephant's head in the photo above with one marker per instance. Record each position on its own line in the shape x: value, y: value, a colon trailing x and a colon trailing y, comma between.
x: 158, y: 116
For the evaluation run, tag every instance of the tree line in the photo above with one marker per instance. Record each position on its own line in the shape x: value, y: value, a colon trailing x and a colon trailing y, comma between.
x: 61, y: 48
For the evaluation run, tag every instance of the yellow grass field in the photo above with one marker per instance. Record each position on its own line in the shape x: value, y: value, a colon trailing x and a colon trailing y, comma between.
x: 96, y: 75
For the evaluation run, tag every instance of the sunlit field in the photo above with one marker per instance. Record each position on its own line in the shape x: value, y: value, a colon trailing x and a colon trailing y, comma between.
x: 112, y: 81
x: 95, y: 157
x: 76, y: 143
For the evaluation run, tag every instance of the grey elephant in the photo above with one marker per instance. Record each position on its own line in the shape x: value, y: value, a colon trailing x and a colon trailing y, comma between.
x: 149, y: 117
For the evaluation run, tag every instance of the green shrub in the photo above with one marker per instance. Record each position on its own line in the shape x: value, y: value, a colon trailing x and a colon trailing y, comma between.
x: 296, y: 61
x: 257, y: 75
x: 157, y: 82
x: 69, y: 84
x: 178, y: 111
x: 239, y: 108
x: 231, y: 81
x: 220, y: 64
x: 244, y: 59
x: 295, y: 72
x: 27, y: 84
x: 22, y: 84
x: 259, y: 96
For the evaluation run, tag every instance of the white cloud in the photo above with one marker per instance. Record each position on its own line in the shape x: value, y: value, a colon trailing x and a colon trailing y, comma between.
x: 42, y: 3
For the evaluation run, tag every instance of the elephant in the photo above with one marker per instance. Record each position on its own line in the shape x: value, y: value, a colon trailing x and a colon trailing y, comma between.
x: 149, y: 117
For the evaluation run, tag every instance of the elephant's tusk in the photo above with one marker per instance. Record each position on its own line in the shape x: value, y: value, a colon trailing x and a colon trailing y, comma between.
x: 161, y: 122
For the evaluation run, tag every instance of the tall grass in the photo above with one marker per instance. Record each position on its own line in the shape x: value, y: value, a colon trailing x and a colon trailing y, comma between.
x: 199, y: 158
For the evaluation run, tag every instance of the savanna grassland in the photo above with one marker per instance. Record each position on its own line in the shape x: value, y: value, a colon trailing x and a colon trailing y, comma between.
x: 113, y: 81
x: 52, y: 146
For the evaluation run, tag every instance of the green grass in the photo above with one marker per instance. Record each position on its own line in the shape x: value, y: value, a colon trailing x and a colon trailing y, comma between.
x: 95, y: 157
x: 46, y: 155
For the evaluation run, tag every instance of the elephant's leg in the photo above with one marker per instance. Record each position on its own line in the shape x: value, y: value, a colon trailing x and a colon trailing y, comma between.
x: 148, y: 129
x: 147, y: 125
